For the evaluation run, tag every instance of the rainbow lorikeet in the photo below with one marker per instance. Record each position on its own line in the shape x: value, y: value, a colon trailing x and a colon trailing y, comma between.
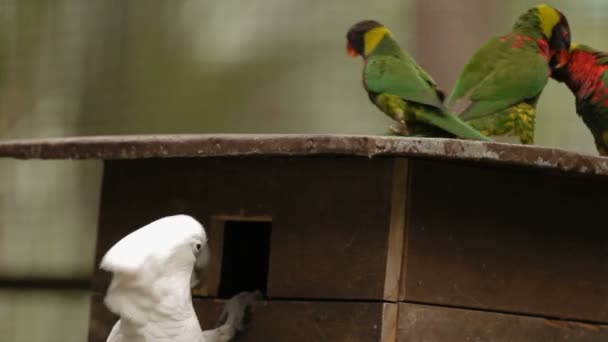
x: 400, y: 88
x: 498, y: 89
x: 586, y: 74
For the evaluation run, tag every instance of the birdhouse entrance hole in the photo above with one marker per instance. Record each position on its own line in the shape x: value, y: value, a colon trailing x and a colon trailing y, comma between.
x: 245, y: 257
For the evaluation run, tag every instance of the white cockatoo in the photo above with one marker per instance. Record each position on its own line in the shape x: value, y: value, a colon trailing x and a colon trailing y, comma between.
x: 153, y: 269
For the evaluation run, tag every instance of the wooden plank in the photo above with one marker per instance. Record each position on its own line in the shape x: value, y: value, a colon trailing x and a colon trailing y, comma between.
x: 315, y: 321
x: 396, y: 233
x: 389, y: 322
x: 302, y: 145
x: 330, y: 216
x: 439, y: 324
x: 332, y: 227
x: 507, y: 240
x: 279, y: 321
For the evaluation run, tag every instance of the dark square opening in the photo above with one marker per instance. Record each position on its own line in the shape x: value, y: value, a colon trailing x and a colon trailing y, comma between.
x: 245, y: 257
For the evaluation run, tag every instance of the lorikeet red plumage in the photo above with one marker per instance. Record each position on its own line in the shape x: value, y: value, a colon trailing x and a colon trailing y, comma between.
x: 586, y: 74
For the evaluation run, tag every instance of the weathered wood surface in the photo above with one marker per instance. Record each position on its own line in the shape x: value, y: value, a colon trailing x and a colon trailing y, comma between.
x: 341, y: 321
x: 330, y: 217
x: 440, y: 324
x: 506, y: 240
x: 278, y: 321
x: 165, y: 146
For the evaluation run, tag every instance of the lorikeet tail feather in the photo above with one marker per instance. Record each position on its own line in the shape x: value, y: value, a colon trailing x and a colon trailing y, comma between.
x: 453, y: 124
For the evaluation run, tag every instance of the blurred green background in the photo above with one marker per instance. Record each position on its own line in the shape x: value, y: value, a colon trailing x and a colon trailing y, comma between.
x: 73, y: 67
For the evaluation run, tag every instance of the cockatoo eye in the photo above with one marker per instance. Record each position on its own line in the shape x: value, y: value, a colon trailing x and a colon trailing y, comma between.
x: 198, y: 246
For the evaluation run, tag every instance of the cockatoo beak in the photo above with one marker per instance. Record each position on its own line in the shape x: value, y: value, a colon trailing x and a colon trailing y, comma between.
x: 200, y: 266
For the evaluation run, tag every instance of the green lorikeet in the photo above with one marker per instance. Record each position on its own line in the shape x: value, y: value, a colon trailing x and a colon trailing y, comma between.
x: 586, y: 74
x: 498, y: 89
x: 400, y: 88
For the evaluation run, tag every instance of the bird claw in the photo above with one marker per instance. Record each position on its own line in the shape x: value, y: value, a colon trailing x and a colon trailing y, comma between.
x: 401, y: 129
x: 237, y: 310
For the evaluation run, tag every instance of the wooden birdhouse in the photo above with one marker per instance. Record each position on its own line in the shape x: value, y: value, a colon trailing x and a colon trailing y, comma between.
x: 360, y: 238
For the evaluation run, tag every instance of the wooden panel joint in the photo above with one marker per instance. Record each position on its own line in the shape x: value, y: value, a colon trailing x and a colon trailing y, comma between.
x: 396, y: 230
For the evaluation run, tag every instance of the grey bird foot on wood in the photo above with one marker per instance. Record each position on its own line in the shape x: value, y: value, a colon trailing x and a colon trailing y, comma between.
x: 237, y: 310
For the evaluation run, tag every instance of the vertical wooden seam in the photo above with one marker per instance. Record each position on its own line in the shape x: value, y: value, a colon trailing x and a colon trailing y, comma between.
x: 406, y: 242
x: 388, y: 332
x: 394, y: 255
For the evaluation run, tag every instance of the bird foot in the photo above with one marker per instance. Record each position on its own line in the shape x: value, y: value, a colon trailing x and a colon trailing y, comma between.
x: 401, y: 129
x: 237, y: 310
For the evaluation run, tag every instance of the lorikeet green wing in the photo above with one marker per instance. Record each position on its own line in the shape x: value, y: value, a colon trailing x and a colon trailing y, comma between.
x: 498, y: 89
x: 387, y: 74
x: 498, y: 77
x: 392, y: 77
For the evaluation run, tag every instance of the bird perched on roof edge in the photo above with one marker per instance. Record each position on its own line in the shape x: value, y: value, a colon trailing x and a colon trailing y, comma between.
x: 400, y: 87
x: 498, y: 89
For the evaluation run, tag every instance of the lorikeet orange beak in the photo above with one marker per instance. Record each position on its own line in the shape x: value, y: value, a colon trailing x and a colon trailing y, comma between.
x: 559, y: 43
x: 562, y: 59
x: 351, y: 50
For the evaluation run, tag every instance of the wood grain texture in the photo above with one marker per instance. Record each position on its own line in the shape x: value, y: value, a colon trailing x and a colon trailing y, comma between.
x: 507, y: 240
x: 330, y: 216
x: 301, y: 145
x: 440, y: 324
x: 396, y: 230
x: 278, y: 321
x: 389, y: 322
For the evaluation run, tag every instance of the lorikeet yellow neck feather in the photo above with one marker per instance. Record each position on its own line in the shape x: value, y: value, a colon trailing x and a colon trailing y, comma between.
x: 374, y: 37
x: 538, y: 22
x: 549, y: 18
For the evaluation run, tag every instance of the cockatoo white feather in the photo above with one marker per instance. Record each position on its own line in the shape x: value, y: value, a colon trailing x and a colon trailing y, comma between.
x: 147, y: 261
x: 156, y: 240
x: 152, y: 270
